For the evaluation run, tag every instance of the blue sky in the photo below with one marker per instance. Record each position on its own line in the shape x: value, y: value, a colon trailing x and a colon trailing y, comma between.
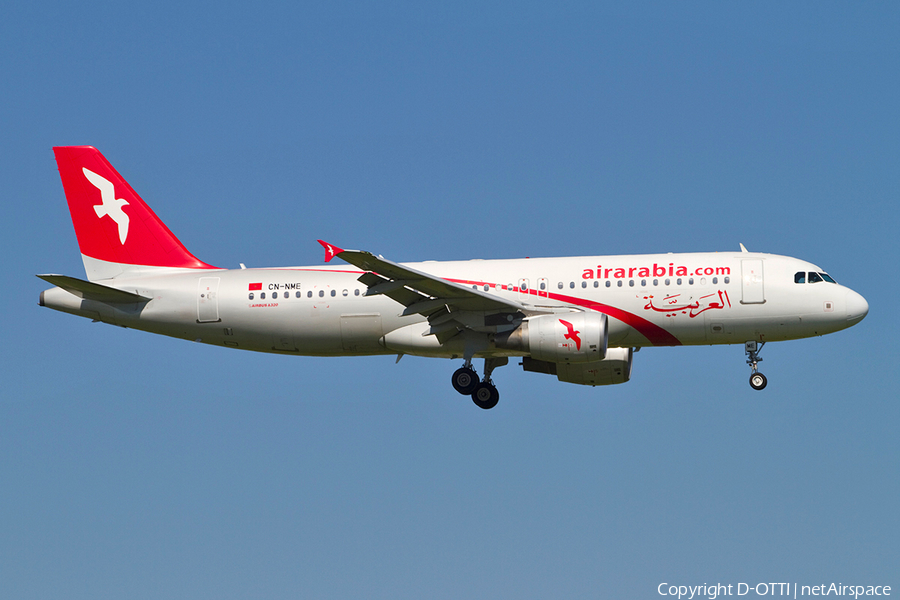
x: 145, y: 467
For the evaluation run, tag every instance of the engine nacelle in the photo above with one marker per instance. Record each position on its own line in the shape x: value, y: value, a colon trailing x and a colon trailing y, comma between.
x: 576, y: 337
x: 615, y: 368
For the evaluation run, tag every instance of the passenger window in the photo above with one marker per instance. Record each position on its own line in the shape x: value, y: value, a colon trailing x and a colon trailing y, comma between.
x: 678, y: 282
x: 656, y: 282
x: 297, y: 294
x: 321, y: 293
x: 619, y: 283
x: 814, y: 277
x: 274, y: 295
x: 560, y: 285
x: 728, y: 280
x: 309, y: 294
x: 344, y: 293
x: 333, y: 293
x: 596, y: 283
x: 572, y: 285
x: 262, y: 296
x: 800, y: 277
x: 643, y: 283
x: 667, y: 282
x: 543, y: 286
x: 583, y: 284
x: 691, y: 281
x: 608, y: 283
x: 631, y: 283
x: 356, y: 292
x: 715, y: 280
x: 251, y: 295
x: 487, y: 287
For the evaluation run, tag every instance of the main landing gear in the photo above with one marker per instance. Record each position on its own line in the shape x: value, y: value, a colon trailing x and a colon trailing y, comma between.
x: 484, y: 393
x: 752, y: 350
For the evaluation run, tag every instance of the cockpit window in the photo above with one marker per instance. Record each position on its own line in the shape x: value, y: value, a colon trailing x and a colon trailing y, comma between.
x: 812, y: 277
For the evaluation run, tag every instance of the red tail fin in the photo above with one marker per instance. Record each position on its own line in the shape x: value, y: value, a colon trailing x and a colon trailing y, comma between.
x: 112, y: 223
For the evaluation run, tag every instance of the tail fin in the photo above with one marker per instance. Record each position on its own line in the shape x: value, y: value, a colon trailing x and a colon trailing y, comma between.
x: 117, y: 232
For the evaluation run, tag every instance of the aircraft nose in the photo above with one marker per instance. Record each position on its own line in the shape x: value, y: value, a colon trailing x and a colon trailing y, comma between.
x: 857, y: 307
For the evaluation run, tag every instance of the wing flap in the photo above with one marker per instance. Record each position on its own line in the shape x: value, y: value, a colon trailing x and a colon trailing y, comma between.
x: 380, y: 285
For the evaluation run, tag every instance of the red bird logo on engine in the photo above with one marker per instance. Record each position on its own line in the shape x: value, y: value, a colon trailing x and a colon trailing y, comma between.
x: 572, y: 334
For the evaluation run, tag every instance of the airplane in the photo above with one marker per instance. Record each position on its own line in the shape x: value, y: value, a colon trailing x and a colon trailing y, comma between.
x: 578, y: 318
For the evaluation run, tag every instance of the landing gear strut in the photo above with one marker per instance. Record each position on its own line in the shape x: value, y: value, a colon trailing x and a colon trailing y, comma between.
x: 752, y: 350
x: 484, y: 393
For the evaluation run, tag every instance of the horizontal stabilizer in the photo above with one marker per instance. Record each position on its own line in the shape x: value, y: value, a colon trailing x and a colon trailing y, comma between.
x: 93, y: 291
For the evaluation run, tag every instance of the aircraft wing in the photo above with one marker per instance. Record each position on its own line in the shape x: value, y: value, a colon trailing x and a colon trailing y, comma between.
x: 421, y: 293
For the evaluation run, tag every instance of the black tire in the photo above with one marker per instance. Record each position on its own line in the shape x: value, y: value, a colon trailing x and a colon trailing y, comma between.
x: 465, y: 380
x: 758, y: 381
x: 485, y: 396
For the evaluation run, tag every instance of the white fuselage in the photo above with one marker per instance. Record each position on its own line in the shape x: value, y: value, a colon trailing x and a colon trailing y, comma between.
x: 650, y: 300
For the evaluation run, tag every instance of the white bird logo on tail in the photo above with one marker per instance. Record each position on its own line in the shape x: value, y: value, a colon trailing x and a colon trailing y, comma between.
x: 112, y: 206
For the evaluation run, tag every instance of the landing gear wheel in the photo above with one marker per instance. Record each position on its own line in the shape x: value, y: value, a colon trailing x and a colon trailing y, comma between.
x: 485, y: 396
x: 465, y: 380
x: 758, y: 381
x: 752, y: 350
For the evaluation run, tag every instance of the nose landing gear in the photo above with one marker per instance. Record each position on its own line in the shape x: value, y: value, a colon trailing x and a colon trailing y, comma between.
x: 752, y: 350
x: 484, y: 393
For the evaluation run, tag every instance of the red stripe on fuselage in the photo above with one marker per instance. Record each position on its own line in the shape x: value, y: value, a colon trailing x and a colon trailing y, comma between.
x: 653, y: 332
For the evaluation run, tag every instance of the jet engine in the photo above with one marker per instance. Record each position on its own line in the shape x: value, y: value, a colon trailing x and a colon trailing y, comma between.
x: 575, y: 337
x: 615, y: 368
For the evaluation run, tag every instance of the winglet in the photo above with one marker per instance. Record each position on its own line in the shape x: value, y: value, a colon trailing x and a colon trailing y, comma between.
x: 330, y: 250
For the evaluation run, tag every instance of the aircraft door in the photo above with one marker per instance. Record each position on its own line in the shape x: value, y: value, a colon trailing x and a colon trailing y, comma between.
x: 752, y: 288
x: 208, y: 301
x: 542, y: 286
